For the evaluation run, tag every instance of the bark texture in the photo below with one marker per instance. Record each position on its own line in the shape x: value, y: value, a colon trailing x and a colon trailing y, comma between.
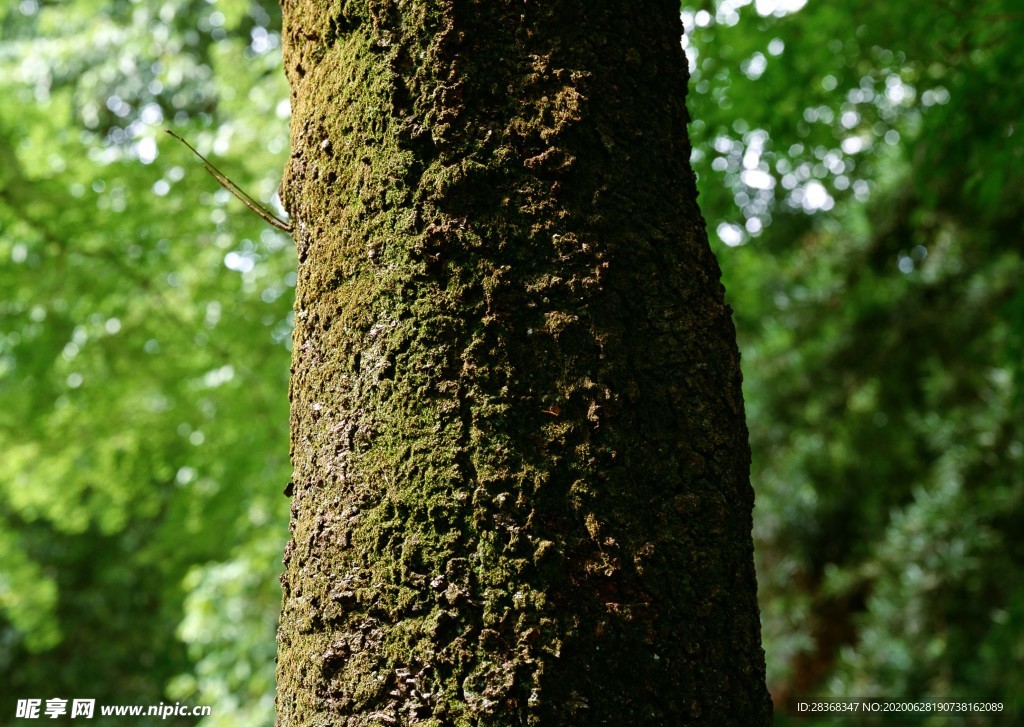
x: 521, y: 491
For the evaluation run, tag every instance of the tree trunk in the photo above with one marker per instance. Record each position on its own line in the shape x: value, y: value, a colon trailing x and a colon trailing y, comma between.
x: 521, y: 490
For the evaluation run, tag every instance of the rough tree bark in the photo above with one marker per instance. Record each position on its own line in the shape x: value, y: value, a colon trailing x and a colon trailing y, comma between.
x: 520, y: 490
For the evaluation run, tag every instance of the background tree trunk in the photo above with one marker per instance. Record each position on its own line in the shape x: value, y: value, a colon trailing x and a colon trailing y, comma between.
x: 521, y: 488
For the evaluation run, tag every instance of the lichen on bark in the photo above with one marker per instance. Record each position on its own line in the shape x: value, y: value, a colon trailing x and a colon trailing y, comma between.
x: 520, y: 490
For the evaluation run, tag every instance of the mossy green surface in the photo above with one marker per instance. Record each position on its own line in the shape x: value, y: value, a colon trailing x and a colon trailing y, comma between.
x: 520, y: 459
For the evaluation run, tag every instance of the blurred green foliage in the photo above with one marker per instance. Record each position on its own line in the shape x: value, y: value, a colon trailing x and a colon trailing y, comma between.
x: 860, y: 170
x: 144, y: 332
x: 861, y: 164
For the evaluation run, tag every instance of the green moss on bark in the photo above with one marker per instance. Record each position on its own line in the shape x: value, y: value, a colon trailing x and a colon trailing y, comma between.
x: 520, y: 489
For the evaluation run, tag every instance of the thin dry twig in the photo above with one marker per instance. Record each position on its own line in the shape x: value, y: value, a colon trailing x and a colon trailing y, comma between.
x: 237, y: 191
